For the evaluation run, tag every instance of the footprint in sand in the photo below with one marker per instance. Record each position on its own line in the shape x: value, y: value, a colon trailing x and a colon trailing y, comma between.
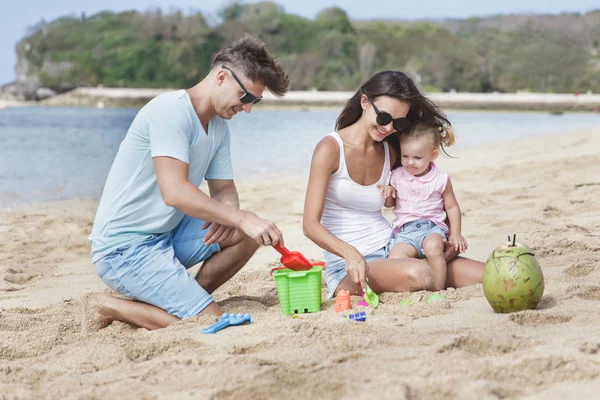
x: 550, y: 211
x: 153, y: 347
x: 19, y: 278
x: 12, y: 289
x: 534, y: 318
x: 579, y: 270
x: 249, y: 303
x: 578, y: 228
x: 561, y: 247
x: 541, y: 371
x: 501, y: 224
x: 250, y: 349
x: 589, y: 293
x: 482, y: 347
x: 590, y: 348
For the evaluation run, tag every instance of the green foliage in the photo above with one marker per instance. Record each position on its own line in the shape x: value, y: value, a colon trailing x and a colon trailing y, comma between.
x: 334, y: 19
x: 231, y: 12
x: 508, y: 53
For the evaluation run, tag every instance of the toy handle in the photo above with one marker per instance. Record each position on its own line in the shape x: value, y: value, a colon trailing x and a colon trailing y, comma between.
x: 282, y: 250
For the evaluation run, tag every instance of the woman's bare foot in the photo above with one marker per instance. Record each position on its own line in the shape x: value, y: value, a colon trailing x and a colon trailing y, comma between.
x: 95, y: 315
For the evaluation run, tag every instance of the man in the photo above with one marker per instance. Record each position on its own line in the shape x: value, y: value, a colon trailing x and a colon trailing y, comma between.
x: 153, y: 221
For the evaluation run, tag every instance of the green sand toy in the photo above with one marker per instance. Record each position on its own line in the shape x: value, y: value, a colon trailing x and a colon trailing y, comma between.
x: 371, y: 297
x: 435, y: 297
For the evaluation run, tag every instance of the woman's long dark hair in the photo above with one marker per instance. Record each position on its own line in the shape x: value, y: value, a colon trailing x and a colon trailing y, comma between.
x: 398, y: 85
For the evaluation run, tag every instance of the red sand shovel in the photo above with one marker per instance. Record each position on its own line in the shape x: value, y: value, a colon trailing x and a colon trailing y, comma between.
x: 293, y: 260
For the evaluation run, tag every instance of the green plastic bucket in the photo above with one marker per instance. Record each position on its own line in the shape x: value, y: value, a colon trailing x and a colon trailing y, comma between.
x: 299, y: 291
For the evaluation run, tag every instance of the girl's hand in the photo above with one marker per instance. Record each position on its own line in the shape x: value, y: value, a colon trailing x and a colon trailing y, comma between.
x: 459, y: 242
x: 356, y: 268
x: 389, y: 194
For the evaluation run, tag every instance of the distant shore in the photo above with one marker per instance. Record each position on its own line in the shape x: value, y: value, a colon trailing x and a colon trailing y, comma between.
x: 131, y: 97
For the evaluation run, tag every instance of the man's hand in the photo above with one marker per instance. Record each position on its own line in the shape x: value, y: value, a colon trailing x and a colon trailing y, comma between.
x: 217, y: 233
x: 263, y: 231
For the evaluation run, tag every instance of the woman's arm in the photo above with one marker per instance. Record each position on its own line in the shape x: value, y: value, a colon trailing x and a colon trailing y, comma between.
x: 325, y: 161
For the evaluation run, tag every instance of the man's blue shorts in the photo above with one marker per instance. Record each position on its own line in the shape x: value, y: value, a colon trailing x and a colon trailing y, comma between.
x: 155, y: 270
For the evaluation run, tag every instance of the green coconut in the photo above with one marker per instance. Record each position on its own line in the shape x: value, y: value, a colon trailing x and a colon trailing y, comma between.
x: 512, y: 279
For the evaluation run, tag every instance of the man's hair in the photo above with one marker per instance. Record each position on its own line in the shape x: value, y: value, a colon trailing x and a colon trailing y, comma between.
x: 248, y: 54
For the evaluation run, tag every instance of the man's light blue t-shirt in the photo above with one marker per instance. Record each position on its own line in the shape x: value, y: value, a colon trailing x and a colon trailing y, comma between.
x: 131, y: 208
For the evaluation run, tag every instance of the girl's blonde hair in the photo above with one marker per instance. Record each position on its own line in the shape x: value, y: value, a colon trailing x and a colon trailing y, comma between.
x: 440, y: 135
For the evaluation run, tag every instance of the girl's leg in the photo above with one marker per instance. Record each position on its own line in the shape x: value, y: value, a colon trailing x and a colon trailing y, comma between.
x: 464, y: 272
x: 403, y: 250
x: 393, y: 275
x: 433, y: 248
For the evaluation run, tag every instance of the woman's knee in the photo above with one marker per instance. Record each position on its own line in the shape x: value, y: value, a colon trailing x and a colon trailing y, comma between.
x: 420, y: 276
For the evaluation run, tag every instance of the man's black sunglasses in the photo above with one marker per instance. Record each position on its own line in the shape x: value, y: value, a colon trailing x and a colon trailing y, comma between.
x: 247, y: 97
x: 383, y: 119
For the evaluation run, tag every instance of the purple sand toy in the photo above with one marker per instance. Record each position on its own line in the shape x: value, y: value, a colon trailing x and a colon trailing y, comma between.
x: 225, y: 321
x: 361, y: 316
x: 363, y: 303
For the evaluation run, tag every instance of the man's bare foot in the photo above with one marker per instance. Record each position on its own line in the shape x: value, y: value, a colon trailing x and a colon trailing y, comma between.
x: 95, y: 315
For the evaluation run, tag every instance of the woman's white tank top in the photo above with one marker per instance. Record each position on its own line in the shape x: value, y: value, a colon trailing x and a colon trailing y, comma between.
x: 352, y: 212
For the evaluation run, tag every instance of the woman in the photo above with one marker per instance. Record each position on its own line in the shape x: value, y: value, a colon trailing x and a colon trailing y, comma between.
x: 342, y: 210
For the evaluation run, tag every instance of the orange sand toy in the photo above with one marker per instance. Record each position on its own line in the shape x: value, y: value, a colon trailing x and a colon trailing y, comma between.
x: 342, y: 300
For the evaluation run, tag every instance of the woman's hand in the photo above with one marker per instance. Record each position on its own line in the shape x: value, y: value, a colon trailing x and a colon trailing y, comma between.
x: 450, y: 251
x: 356, y: 268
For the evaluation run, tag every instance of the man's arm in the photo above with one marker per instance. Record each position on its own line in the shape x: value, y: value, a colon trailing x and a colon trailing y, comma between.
x: 224, y: 191
x: 179, y: 193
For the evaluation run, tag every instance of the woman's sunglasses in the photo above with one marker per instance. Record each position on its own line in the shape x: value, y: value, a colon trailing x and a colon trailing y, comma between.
x: 247, y: 97
x: 383, y: 119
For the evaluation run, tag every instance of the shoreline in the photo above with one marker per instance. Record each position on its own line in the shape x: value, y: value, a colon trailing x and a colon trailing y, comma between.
x: 457, y: 153
x: 521, y: 101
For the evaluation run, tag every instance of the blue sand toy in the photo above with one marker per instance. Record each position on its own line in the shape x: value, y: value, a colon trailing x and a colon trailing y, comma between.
x: 225, y: 321
x: 361, y: 316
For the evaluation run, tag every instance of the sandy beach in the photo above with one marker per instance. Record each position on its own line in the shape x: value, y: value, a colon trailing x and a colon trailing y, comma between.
x: 544, y: 189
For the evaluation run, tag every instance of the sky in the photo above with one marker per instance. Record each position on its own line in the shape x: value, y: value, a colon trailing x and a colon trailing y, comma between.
x: 17, y: 16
